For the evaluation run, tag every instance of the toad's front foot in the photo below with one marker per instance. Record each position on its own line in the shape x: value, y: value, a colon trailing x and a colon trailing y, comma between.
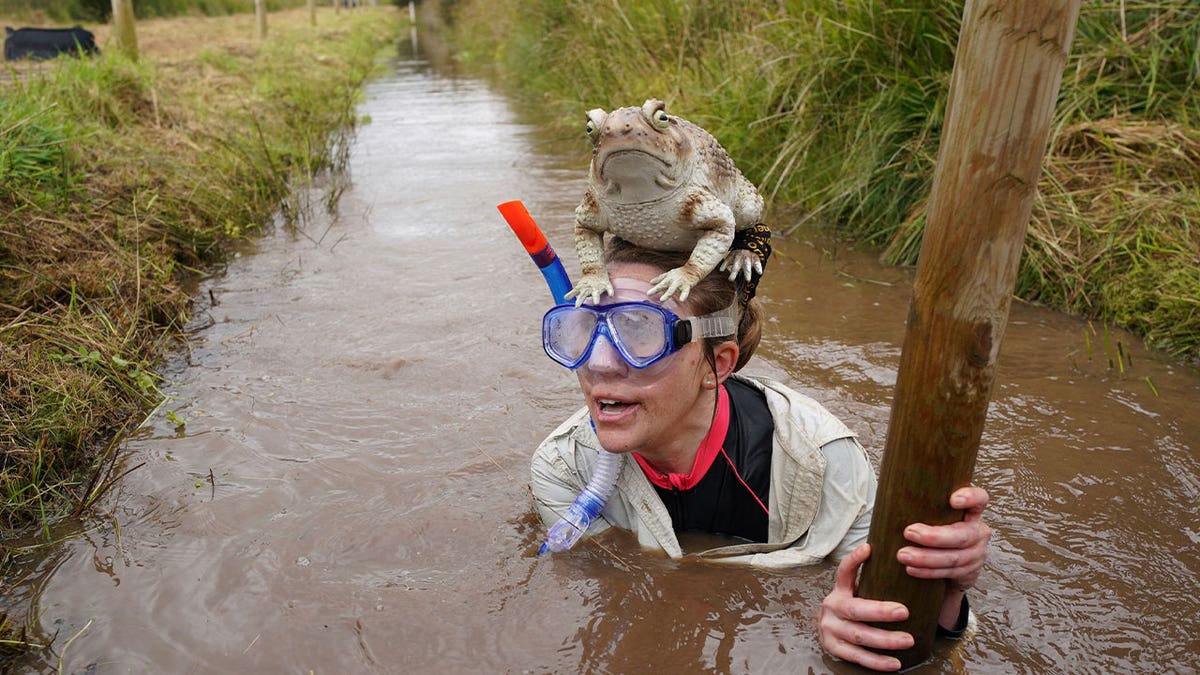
x: 743, y: 262
x: 678, y: 280
x: 591, y: 286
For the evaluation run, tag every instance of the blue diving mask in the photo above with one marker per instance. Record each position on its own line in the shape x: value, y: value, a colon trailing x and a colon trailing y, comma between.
x: 642, y: 332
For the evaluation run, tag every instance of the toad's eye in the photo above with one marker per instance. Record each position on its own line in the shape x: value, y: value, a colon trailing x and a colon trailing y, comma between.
x: 661, y: 119
x: 590, y: 128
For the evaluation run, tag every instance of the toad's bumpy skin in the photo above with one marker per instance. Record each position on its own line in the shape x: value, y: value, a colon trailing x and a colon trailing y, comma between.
x: 663, y: 183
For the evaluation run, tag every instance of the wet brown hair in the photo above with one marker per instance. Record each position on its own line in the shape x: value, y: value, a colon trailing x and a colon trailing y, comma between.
x: 714, y: 293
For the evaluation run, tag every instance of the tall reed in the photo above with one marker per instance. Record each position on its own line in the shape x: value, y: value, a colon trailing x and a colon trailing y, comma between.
x: 835, y: 109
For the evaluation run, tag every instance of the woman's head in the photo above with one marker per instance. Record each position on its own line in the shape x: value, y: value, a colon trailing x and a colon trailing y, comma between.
x: 712, y: 294
x: 664, y: 410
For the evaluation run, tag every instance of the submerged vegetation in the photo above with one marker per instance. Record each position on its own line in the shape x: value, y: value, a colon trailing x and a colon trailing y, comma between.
x: 118, y: 182
x: 835, y: 110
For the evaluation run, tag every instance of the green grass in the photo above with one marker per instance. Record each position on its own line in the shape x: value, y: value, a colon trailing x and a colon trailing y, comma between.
x: 835, y: 111
x: 35, y: 155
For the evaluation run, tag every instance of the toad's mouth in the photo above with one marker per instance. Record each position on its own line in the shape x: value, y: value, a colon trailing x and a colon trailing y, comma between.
x: 637, y: 176
x: 619, y: 160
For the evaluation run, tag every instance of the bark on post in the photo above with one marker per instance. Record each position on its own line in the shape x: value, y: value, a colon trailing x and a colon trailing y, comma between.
x: 1007, y: 72
x: 123, y: 30
x: 260, y: 18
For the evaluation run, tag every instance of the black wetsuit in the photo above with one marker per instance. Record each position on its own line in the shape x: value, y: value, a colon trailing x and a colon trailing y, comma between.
x: 720, y: 503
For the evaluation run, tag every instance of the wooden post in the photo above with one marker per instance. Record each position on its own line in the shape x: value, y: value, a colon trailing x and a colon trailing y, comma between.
x: 260, y: 18
x: 312, y: 12
x: 123, y: 30
x: 1007, y: 72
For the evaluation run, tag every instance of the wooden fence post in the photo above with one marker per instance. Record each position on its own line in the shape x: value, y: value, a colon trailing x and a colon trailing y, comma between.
x: 260, y: 18
x: 1007, y: 72
x: 123, y: 29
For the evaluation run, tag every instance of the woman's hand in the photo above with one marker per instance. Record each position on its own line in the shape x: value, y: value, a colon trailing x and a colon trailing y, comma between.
x: 955, y: 552
x: 842, y: 624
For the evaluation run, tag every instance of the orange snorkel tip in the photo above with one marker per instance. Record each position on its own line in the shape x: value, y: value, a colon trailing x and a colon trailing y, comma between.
x: 522, y: 225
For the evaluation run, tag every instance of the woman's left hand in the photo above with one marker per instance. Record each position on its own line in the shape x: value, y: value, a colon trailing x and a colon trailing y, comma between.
x: 956, y: 551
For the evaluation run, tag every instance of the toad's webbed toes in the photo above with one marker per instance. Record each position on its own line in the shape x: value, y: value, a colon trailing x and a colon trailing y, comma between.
x: 590, y: 287
x: 674, y: 281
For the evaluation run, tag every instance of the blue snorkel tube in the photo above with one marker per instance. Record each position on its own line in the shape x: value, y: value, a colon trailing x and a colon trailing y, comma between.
x: 588, y: 505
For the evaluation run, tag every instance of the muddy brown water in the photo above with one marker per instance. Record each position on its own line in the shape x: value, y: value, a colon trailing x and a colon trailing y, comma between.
x: 367, y: 389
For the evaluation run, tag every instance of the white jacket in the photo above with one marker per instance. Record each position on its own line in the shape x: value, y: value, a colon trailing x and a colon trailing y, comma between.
x: 822, y: 486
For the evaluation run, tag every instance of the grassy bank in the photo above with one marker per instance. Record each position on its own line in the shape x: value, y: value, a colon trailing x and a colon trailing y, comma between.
x: 834, y: 109
x: 118, y: 182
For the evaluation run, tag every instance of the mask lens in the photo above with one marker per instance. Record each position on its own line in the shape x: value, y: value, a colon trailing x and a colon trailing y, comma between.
x: 567, y: 332
x: 641, y: 331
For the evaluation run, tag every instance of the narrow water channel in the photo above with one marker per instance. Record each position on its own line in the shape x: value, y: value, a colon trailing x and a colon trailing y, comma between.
x: 363, y: 392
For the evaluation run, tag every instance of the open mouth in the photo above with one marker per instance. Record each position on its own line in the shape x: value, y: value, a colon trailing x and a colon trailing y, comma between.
x: 610, y: 406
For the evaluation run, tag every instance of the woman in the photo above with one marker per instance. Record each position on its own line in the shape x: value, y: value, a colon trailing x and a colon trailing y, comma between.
x: 711, y: 451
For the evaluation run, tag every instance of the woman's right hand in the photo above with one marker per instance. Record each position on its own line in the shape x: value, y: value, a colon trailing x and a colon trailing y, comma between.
x: 843, y: 621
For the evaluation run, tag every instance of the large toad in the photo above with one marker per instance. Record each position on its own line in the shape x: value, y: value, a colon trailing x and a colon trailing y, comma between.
x: 663, y: 183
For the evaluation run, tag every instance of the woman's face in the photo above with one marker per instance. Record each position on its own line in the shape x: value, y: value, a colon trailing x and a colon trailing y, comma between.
x: 654, y: 409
